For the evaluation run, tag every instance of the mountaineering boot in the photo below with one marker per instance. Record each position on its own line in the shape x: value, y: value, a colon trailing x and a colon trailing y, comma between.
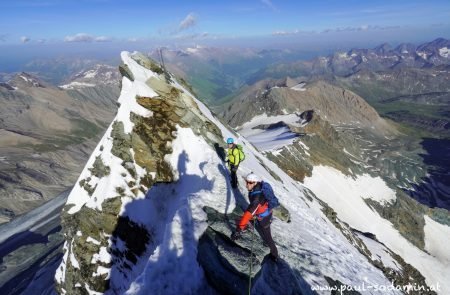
x: 272, y: 258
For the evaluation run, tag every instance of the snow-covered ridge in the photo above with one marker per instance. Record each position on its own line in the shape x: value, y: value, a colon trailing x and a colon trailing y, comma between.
x: 173, y: 212
x: 75, y: 85
x: 422, y: 55
x: 98, y: 75
x: 299, y: 87
x: 130, y: 89
x: 444, y: 51
x: 29, y: 80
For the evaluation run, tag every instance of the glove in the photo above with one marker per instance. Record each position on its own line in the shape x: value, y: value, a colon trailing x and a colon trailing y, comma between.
x: 236, y: 235
x: 233, y: 168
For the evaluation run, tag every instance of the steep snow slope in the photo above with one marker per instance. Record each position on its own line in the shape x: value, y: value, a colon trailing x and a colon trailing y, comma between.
x: 346, y: 196
x: 143, y: 224
x: 350, y: 196
x: 270, y: 138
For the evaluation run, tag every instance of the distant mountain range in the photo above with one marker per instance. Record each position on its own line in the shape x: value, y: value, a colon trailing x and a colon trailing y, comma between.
x: 97, y: 75
x: 47, y: 131
x: 384, y: 57
x: 354, y: 145
x: 380, y: 58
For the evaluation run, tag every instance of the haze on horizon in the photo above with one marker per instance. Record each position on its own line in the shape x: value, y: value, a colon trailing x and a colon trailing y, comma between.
x: 102, y: 28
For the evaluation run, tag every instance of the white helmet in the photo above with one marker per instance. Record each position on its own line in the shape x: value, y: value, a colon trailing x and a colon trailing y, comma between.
x: 252, y: 177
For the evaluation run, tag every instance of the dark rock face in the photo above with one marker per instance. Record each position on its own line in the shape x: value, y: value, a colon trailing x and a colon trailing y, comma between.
x: 271, y: 126
x: 307, y: 115
x: 216, y: 269
x: 279, y: 277
x: 136, y: 239
x: 6, y: 212
x: 126, y: 72
x: 245, y: 258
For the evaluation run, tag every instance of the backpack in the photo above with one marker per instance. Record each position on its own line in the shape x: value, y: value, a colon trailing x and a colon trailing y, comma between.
x: 269, y: 195
x: 241, y: 152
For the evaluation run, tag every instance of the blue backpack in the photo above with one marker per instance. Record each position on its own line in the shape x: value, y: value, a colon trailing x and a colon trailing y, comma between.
x: 269, y: 195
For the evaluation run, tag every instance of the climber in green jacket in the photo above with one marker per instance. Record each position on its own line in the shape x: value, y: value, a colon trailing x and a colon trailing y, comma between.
x: 233, y: 159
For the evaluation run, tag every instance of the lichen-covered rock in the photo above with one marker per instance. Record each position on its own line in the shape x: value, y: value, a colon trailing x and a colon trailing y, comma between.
x: 121, y: 142
x: 126, y: 72
x: 99, y: 169
x: 282, y: 213
x: 147, y: 63
x: 102, y: 239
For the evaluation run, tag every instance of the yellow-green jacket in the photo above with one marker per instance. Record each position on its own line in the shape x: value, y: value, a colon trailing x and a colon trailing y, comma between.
x: 234, y: 156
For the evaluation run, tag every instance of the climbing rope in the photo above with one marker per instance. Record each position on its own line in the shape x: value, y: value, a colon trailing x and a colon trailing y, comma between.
x: 251, y: 256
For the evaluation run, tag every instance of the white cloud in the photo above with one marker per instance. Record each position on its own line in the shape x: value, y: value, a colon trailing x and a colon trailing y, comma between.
x: 269, y: 4
x: 364, y: 27
x: 24, y: 39
x: 80, y: 37
x: 360, y: 28
x: 83, y: 37
x: 280, y: 33
x: 103, y: 39
x: 285, y: 33
x: 189, y: 21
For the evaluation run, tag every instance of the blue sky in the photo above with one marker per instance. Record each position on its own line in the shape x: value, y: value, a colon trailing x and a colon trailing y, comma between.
x: 41, y: 25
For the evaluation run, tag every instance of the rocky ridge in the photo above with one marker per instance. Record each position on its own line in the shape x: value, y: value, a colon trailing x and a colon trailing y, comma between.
x: 337, y: 105
x: 150, y: 201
